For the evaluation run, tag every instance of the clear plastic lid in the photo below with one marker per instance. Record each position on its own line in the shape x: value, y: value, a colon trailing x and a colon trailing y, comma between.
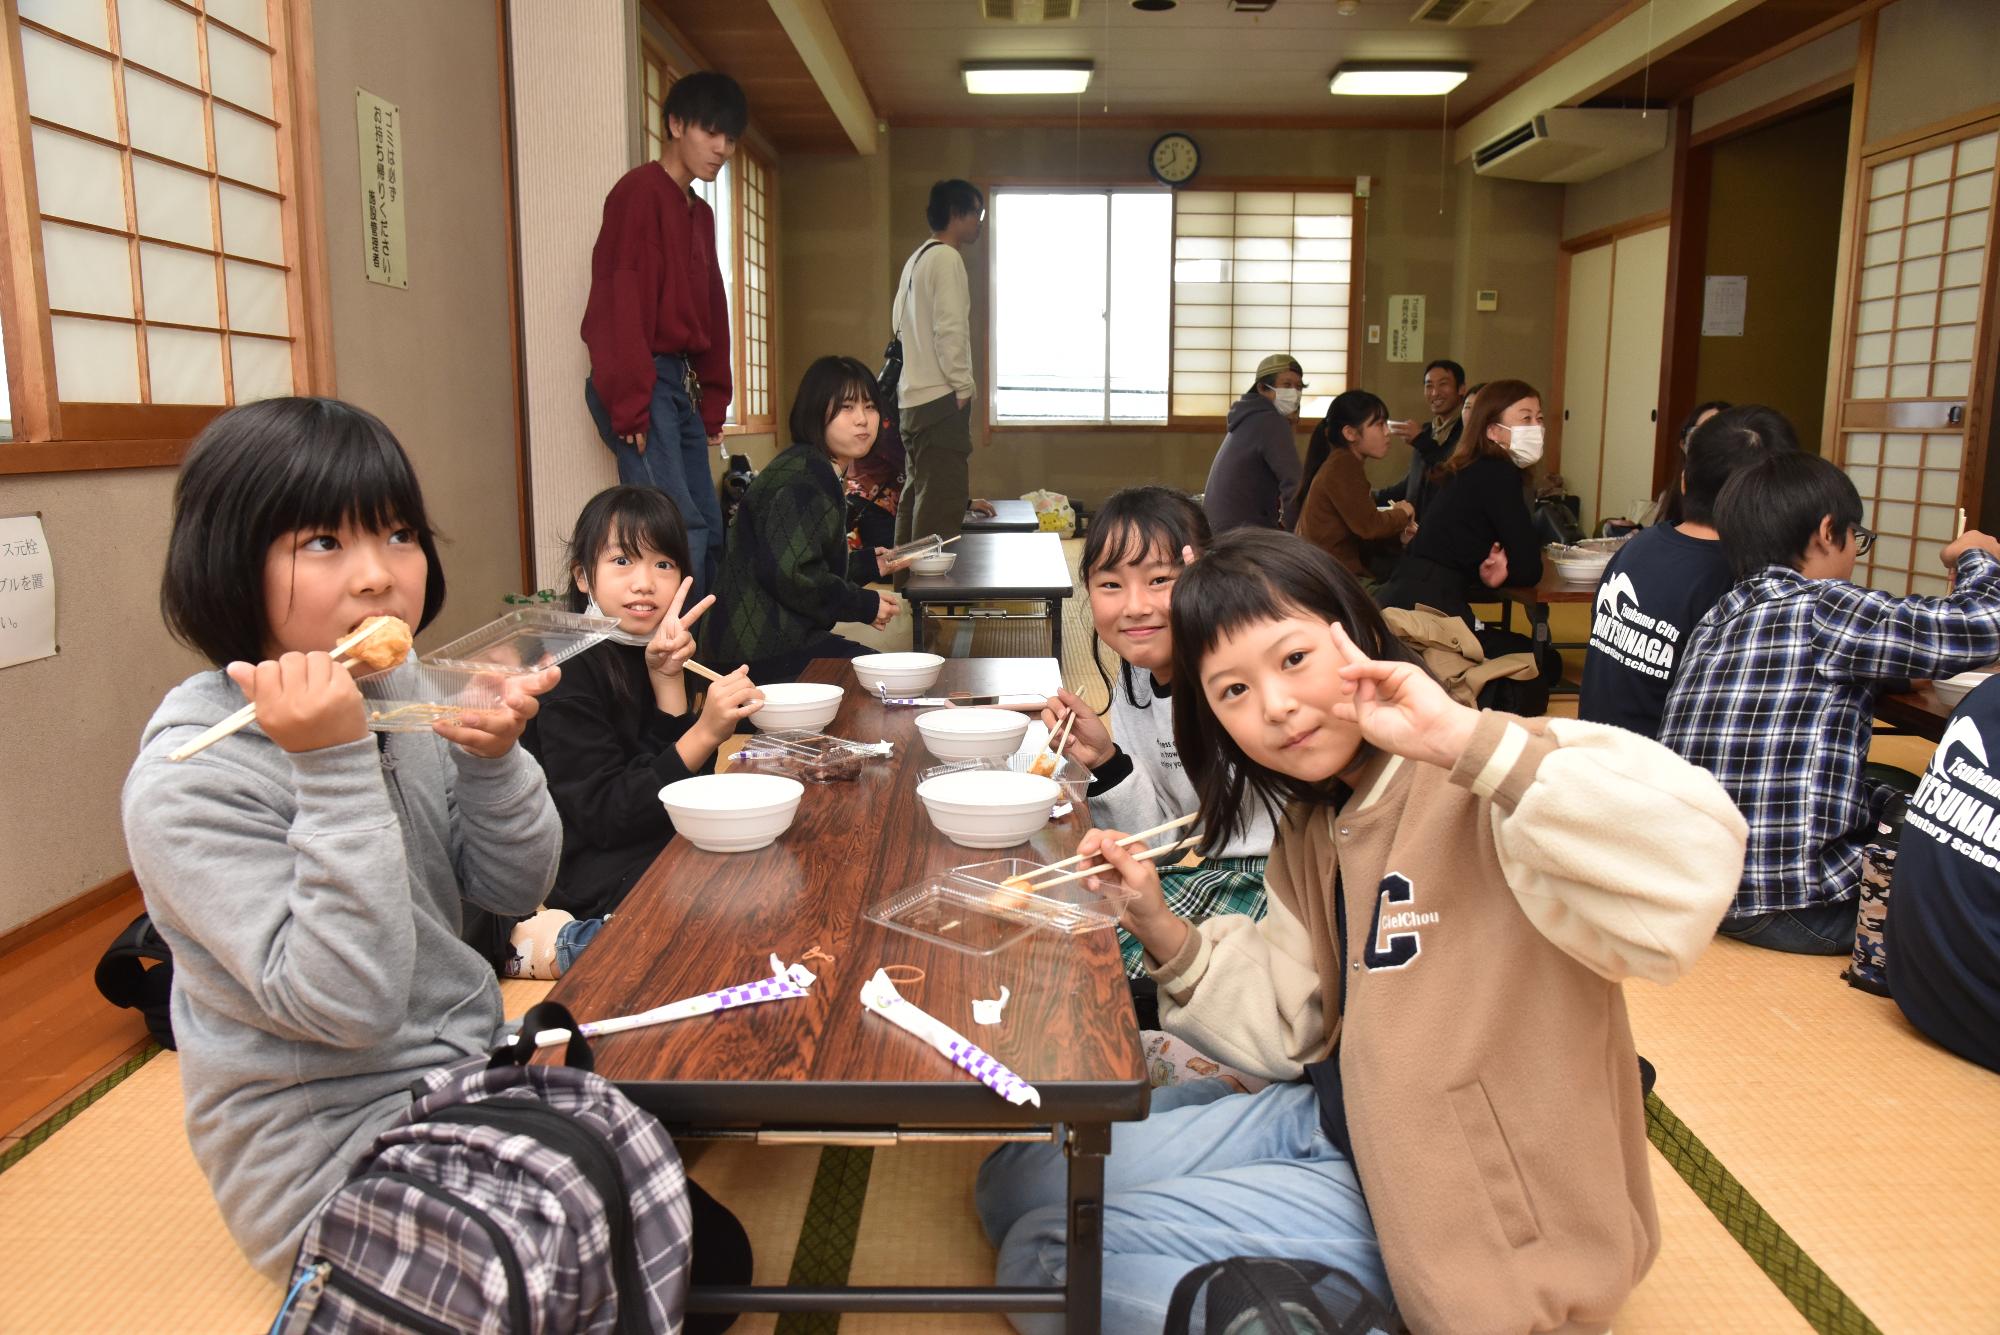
x: 911, y: 550
x: 971, y: 909
x: 803, y: 754
x: 526, y: 640
x: 413, y: 696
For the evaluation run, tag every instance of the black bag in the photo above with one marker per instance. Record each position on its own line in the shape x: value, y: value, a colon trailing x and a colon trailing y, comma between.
x: 137, y: 971
x: 1266, y: 1295
x: 892, y: 355
x: 735, y: 481
x: 1555, y: 520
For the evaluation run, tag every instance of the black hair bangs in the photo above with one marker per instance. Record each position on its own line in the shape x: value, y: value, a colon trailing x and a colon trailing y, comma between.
x: 264, y: 470
x: 828, y: 385
x: 1139, y: 522
x: 710, y: 99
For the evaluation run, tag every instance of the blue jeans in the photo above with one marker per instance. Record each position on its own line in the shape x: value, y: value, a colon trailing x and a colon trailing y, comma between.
x: 675, y: 461
x: 1209, y: 1174
x: 1818, y: 929
x: 571, y: 938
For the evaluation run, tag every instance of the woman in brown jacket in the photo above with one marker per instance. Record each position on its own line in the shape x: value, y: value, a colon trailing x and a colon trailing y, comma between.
x: 1339, y: 515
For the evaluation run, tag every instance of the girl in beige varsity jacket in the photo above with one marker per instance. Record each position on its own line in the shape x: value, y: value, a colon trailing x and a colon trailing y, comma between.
x: 1455, y: 897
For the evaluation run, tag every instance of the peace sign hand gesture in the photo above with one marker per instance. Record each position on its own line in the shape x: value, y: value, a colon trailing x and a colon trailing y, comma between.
x: 672, y: 646
x: 1399, y: 707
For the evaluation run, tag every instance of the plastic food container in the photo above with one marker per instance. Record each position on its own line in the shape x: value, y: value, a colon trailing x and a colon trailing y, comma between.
x: 900, y: 557
x: 526, y: 640
x: 810, y: 756
x: 413, y: 696
x: 933, y: 563
x: 969, y: 909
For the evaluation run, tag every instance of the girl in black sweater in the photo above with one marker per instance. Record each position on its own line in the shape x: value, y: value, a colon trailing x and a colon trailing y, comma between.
x: 1477, y: 530
x: 617, y: 728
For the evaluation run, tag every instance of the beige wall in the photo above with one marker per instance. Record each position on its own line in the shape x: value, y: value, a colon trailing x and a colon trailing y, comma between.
x: 1774, y: 217
x: 432, y: 361
x: 1633, y: 191
x: 838, y: 272
x: 1934, y: 59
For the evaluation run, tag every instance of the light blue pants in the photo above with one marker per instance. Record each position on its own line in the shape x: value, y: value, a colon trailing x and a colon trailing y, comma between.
x: 1209, y: 1174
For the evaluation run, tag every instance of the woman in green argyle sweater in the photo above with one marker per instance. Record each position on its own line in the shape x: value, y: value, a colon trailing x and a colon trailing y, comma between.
x: 783, y: 584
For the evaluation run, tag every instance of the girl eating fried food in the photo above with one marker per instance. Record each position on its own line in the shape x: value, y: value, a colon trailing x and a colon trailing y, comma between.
x: 308, y: 876
x: 1455, y: 897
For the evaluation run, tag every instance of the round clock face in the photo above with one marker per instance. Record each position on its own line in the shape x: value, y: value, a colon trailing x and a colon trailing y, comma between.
x: 1175, y: 158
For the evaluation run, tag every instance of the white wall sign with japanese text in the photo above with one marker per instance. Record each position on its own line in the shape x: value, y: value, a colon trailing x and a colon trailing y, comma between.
x: 379, y: 127
x: 27, y: 592
x: 1406, y: 329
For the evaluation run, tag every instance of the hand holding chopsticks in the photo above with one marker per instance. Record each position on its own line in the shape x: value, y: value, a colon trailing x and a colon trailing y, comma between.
x: 1031, y: 880
x: 1102, y: 868
x: 243, y: 717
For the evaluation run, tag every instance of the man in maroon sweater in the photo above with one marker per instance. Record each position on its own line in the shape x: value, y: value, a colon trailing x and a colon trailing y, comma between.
x: 657, y: 323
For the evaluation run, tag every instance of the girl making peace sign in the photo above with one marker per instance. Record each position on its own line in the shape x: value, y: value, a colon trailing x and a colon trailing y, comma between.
x: 1455, y: 897
x: 617, y: 727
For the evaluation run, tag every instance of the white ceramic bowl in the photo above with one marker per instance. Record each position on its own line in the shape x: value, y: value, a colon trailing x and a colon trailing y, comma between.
x: 1954, y: 689
x: 984, y: 808
x: 901, y: 674
x: 936, y: 563
x: 972, y: 734
x: 797, y: 704
x: 732, y: 813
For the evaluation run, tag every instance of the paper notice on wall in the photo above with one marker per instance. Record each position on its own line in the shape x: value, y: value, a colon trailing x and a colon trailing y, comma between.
x: 384, y: 248
x: 27, y: 592
x: 1406, y: 329
x: 1723, y: 300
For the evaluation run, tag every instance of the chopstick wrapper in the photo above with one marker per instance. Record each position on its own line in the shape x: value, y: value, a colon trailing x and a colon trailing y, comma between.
x: 784, y: 982
x: 878, y: 994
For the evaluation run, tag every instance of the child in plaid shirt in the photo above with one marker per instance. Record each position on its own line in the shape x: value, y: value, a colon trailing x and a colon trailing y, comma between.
x: 1777, y: 689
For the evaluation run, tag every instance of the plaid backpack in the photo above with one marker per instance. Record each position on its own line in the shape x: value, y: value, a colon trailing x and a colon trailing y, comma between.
x: 509, y: 1199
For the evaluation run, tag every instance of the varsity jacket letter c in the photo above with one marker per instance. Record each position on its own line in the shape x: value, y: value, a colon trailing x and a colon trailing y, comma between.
x: 1403, y: 946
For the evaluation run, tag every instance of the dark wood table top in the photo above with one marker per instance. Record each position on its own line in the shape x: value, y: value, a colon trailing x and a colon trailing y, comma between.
x: 700, y: 921
x: 999, y: 565
x: 1008, y: 517
x: 1916, y: 710
x: 1553, y: 588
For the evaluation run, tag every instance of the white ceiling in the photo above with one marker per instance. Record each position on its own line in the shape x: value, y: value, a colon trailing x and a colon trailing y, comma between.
x: 1199, y: 59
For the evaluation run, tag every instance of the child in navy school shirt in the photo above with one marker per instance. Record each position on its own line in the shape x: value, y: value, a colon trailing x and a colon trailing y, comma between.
x: 1667, y: 577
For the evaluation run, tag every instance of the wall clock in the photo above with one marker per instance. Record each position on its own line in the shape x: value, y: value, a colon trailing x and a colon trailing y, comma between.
x: 1174, y: 159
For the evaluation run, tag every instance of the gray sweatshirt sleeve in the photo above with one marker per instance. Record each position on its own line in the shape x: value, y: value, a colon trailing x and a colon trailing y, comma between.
x: 1281, y: 452
x: 1134, y: 804
x: 506, y: 838
x: 311, y: 920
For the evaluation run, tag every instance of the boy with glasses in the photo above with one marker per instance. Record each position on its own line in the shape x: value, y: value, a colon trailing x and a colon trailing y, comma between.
x: 1776, y: 695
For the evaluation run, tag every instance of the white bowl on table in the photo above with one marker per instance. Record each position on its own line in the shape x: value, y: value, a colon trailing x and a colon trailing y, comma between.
x: 797, y: 704
x: 933, y: 563
x: 986, y: 808
x: 1951, y: 690
x: 732, y: 813
x: 899, y: 674
x: 972, y: 734
x: 1580, y: 565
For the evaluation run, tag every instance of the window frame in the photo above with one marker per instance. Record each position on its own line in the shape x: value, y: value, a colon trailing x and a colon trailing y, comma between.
x: 1357, y: 260
x: 56, y: 436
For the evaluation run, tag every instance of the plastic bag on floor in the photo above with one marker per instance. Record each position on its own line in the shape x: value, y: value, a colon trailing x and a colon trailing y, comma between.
x: 1054, y: 511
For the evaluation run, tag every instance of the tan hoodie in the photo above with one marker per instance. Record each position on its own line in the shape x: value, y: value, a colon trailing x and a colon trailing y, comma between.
x: 1491, y: 1085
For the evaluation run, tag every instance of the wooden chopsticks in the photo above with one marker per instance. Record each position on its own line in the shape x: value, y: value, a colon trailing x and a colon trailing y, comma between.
x: 1029, y: 880
x: 1103, y: 868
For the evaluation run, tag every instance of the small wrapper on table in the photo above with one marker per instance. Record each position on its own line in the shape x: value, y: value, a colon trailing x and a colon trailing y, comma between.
x: 783, y: 983
x: 879, y: 995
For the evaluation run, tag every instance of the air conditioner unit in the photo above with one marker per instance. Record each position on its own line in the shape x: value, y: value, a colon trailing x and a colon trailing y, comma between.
x: 1028, y: 11
x: 1467, y: 13
x: 1572, y: 144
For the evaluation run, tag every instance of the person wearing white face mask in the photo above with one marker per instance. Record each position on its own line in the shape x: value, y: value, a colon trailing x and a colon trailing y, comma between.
x: 1256, y: 472
x: 1477, y: 530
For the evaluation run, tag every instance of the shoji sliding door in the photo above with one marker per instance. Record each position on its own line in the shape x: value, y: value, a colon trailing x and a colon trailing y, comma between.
x: 1917, y: 344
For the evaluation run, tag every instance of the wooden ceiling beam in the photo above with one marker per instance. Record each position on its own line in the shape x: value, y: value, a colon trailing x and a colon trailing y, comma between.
x: 812, y: 34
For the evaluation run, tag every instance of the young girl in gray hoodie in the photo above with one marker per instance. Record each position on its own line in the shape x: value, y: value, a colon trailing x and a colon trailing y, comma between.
x: 308, y: 874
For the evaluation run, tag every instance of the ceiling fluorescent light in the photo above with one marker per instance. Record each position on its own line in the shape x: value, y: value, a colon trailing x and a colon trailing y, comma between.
x: 1026, y: 76
x: 1395, y: 80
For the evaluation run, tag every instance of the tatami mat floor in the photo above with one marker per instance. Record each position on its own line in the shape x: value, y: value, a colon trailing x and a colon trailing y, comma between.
x: 1874, y: 1150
